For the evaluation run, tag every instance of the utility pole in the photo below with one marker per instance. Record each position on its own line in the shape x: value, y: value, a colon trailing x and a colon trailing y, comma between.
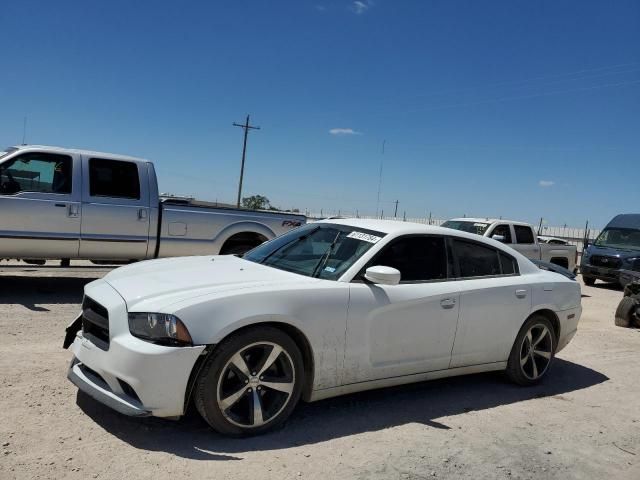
x: 24, y: 131
x: 396, y: 212
x: 246, y: 128
x: 384, y: 142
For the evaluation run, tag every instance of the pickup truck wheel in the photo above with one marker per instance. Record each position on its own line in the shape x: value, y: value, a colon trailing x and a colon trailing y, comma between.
x: 251, y: 382
x: 237, y: 249
x: 626, y: 311
x: 532, y: 352
x: 589, y: 281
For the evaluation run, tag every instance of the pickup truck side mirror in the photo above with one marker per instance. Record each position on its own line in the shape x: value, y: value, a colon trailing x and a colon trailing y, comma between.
x: 499, y: 238
x: 383, y: 275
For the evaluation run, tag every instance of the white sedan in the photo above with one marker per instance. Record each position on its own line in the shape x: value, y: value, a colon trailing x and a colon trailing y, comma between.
x: 327, y: 309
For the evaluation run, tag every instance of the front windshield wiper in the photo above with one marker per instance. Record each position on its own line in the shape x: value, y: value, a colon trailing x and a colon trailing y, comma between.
x: 325, y: 258
x: 290, y: 244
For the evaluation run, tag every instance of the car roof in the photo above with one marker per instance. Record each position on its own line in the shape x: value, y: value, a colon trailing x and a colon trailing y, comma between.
x: 489, y: 220
x: 77, y: 151
x: 625, y: 220
x: 398, y: 227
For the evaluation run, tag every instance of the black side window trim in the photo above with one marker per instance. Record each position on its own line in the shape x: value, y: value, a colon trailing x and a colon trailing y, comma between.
x: 456, y: 263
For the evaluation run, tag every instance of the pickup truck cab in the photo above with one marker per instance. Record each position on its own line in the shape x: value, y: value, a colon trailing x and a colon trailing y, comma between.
x: 58, y: 203
x: 520, y: 236
x: 615, y: 253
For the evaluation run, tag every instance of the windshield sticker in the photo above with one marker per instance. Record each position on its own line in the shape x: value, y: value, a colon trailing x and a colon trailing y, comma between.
x: 365, y: 237
x: 329, y: 269
x: 479, y: 224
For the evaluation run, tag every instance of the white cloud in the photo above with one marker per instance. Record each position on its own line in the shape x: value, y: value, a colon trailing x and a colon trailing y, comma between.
x: 360, y: 6
x: 343, y: 131
x: 546, y: 183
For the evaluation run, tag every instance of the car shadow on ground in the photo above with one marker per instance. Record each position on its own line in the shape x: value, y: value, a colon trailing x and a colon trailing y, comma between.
x: 33, y: 292
x: 423, y: 403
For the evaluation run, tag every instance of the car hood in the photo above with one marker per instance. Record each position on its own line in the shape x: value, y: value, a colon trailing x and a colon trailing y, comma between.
x: 155, y: 284
x: 613, y: 252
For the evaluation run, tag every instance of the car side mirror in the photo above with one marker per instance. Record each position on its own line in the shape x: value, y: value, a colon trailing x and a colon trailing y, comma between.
x: 383, y: 275
x: 499, y: 238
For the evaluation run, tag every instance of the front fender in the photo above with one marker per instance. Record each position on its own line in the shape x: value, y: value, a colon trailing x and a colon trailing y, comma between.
x: 317, y: 310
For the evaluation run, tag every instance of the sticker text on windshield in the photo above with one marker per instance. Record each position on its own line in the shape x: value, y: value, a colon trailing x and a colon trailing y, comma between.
x: 365, y: 237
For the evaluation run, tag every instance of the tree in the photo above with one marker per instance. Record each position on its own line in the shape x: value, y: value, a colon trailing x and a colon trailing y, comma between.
x: 256, y: 202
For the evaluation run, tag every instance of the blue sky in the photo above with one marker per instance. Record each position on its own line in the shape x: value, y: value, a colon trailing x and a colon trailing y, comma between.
x: 515, y: 108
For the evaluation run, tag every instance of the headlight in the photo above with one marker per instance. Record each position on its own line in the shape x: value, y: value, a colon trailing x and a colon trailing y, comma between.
x: 160, y: 328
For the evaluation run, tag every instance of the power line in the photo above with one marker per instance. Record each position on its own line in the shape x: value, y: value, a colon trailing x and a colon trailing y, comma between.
x: 246, y: 128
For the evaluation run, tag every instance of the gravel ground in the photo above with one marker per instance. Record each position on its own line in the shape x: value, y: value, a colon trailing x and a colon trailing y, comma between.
x: 583, y: 421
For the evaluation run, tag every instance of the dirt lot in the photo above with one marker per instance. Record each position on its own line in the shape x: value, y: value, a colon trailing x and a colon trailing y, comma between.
x: 582, y: 422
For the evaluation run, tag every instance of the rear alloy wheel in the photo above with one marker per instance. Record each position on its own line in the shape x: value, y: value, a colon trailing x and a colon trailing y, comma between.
x: 251, y: 383
x: 532, y: 351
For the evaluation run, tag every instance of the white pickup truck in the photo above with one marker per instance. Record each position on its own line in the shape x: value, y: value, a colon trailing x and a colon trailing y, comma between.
x: 67, y: 204
x: 519, y: 236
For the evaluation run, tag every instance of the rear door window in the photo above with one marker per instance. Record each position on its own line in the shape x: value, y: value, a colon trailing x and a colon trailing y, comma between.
x: 475, y: 260
x: 524, y: 234
x: 113, y: 178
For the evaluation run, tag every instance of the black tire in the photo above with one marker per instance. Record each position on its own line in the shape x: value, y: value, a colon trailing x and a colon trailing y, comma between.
x: 523, y: 374
x: 219, y: 371
x: 626, y: 311
x: 589, y: 281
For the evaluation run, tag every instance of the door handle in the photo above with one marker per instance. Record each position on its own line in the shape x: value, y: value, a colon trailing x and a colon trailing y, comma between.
x: 521, y: 293
x: 142, y: 213
x: 61, y: 205
x: 448, y: 303
x: 73, y: 210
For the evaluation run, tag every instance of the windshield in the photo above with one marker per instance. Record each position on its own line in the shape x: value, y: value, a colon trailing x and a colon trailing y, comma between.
x: 320, y: 250
x: 623, y: 238
x: 467, y: 226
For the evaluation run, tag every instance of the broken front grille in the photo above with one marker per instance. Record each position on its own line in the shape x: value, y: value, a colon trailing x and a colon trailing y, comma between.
x: 95, y: 320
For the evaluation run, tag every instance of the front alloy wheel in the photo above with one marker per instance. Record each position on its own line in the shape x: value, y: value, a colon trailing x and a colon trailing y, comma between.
x: 256, y: 384
x: 532, y: 351
x: 251, y: 382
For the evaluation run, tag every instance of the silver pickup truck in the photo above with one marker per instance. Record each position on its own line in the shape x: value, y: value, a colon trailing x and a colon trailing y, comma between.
x: 66, y: 204
x: 521, y: 237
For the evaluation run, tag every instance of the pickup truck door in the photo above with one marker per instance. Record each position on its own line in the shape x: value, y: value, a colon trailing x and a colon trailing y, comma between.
x: 115, y: 209
x: 40, y: 205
